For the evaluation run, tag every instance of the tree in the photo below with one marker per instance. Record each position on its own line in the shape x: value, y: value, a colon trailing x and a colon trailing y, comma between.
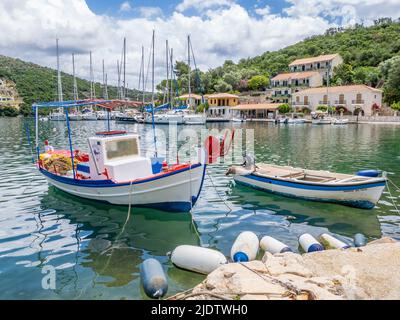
x: 181, y: 68
x: 232, y: 78
x: 284, y: 108
x: 344, y: 74
x: 396, y: 107
x: 367, y: 75
x: 222, y: 86
x: 258, y: 82
x: 390, y: 70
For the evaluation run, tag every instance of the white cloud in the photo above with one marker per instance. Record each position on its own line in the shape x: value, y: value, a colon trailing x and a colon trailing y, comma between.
x: 150, y: 12
x: 201, y: 5
x: 125, y: 6
x: 345, y: 12
x: 29, y: 28
x: 263, y: 11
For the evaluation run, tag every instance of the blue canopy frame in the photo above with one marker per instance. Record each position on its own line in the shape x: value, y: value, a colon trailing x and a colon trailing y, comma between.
x: 66, y: 105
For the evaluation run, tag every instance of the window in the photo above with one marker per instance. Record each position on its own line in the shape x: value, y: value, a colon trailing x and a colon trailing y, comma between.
x: 121, y: 148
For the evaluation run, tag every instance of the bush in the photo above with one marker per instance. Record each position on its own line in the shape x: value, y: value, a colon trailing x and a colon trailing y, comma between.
x: 284, y: 108
x: 258, y: 82
x: 8, y: 111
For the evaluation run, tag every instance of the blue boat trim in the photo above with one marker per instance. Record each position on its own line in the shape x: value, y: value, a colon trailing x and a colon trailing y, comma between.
x: 194, y: 199
x: 109, y: 183
x: 362, y: 204
x: 318, y: 187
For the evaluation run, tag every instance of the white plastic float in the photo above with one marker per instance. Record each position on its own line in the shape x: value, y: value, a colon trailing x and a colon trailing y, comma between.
x: 245, y: 247
x: 332, y: 242
x: 273, y: 246
x: 309, y: 244
x: 197, y: 259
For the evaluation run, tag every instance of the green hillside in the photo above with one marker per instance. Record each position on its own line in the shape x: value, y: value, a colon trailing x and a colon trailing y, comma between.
x: 37, y: 83
x: 371, y: 56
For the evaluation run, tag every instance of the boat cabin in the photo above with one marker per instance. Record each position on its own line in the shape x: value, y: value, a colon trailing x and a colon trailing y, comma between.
x: 115, y: 156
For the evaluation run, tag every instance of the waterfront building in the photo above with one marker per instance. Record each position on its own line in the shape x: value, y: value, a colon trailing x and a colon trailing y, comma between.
x: 349, y: 100
x: 323, y: 64
x: 195, y: 99
x: 256, y: 111
x: 8, y: 94
x: 285, y: 84
x: 220, y: 104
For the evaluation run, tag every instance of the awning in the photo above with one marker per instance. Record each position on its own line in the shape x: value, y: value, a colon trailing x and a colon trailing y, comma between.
x: 257, y: 106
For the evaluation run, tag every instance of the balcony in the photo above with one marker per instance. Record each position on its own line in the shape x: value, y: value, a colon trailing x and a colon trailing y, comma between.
x: 324, y: 103
x: 358, y: 102
x: 340, y: 103
x: 300, y: 103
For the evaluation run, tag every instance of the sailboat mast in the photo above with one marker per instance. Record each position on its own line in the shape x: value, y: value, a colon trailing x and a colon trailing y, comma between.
x: 152, y: 71
x: 190, y: 91
x: 152, y: 96
x: 124, y: 88
x: 75, y: 91
x: 142, y: 79
x: 59, y: 84
x: 91, y: 78
x: 172, y: 77
x: 106, y: 95
x: 119, y: 81
x: 167, y: 83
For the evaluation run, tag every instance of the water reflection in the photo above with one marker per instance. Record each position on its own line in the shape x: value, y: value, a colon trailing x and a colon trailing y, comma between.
x: 97, y: 250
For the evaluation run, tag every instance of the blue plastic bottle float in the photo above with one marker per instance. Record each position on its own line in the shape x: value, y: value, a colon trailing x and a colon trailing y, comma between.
x: 271, y: 245
x: 153, y: 279
x: 245, y: 247
x: 309, y: 244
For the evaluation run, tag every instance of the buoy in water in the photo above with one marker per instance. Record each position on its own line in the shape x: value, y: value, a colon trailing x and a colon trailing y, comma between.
x: 273, y: 246
x: 197, y: 259
x: 153, y: 279
x: 245, y: 247
x: 309, y: 243
x: 332, y: 242
x: 360, y: 240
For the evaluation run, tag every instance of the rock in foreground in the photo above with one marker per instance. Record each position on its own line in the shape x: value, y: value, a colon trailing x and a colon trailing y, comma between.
x: 369, y: 272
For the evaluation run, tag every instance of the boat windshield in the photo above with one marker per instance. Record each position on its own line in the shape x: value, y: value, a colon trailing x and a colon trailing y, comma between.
x: 123, y: 148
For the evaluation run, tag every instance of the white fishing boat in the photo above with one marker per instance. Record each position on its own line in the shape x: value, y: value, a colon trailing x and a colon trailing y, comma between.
x: 165, y: 118
x: 101, y: 115
x: 57, y: 116
x: 296, y: 121
x: 322, y: 121
x: 190, y: 118
x: 340, y: 122
x: 89, y: 115
x: 362, y: 190
x: 238, y: 120
x: 75, y: 117
x: 114, y: 170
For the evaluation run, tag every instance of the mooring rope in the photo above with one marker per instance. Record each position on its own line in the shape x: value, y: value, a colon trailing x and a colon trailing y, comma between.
x: 391, y: 197
x: 216, y: 190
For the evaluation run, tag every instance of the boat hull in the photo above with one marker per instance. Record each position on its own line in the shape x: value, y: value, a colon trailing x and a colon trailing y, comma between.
x: 176, y: 191
x: 363, y: 196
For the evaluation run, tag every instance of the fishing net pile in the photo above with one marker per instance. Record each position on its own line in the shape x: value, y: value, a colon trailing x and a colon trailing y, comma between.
x: 58, y: 163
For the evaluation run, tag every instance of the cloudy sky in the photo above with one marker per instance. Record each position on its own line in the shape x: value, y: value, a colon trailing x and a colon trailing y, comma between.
x: 220, y: 29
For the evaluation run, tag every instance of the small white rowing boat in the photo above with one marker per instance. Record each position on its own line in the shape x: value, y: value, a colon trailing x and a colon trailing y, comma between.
x: 339, y: 122
x: 362, y: 190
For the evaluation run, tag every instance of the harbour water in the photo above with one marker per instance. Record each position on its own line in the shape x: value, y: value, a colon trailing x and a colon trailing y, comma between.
x: 97, y: 248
